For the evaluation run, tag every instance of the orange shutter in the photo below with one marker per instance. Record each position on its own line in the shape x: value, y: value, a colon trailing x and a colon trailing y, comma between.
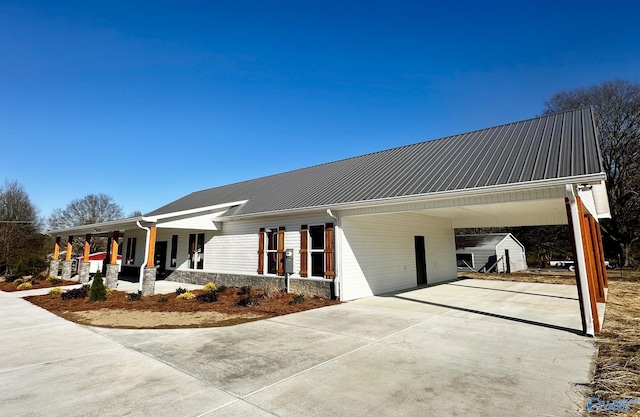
x: 261, y: 251
x: 329, y: 256
x: 280, y: 258
x: 304, y: 250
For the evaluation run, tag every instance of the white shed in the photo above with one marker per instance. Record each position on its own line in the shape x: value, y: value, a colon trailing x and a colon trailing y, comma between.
x: 500, y: 252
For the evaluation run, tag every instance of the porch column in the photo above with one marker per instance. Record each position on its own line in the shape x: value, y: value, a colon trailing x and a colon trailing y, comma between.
x: 588, y: 305
x: 53, y: 265
x: 84, y: 266
x: 149, y: 273
x: 111, y: 276
x: 66, y: 265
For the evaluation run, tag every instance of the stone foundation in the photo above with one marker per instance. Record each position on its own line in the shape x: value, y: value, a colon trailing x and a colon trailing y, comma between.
x: 308, y: 286
x: 83, y: 272
x: 66, y: 269
x: 111, y: 276
x: 149, y: 281
x: 53, y: 268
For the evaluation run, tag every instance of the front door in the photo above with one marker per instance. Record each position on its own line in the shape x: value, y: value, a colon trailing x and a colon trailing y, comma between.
x: 421, y: 260
x: 160, y: 260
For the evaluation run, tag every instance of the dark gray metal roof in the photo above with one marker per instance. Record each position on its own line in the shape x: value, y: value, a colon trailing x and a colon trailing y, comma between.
x: 553, y: 146
x: 489, y: 240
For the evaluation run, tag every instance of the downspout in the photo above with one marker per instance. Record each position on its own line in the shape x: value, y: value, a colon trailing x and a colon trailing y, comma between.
x: 337, y: 278
x: 146, y: 255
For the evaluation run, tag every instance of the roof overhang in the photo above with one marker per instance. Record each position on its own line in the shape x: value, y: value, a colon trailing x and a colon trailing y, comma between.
x: 202, y: 218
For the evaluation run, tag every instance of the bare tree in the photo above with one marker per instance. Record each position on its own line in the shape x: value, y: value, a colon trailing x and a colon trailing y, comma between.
x: 93, y: 208
x: 617, y: 107
x: 18, y: 222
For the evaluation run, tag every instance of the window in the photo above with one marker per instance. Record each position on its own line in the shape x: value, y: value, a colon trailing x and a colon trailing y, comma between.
x: 174, y: 251
x: 316, y: 250
x: 271, y: 249
x: 464, y: 260
x: 130, y: 257
x: 196, y: 251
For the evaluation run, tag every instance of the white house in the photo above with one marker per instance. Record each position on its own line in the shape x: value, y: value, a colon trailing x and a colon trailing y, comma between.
x: 379, y: 222
x: 499, y: 252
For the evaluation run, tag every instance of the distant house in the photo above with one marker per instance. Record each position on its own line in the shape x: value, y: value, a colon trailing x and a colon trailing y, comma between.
x: 499, y: 252
x: 96, y: 261
x: 374, y: 223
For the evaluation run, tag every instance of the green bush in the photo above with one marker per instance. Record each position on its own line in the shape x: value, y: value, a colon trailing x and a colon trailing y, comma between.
x: 97, y: 292
x: 180, y: 290
x: 134, y: 296
x: 75, y: 293
x: 55, y: 291
x: 210, y: 286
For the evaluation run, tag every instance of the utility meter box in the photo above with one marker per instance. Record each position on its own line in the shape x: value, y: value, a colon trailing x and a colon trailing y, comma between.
x: 288, y: 261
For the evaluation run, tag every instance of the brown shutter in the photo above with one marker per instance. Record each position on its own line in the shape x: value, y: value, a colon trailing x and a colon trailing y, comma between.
x: 280, y: 258
x: 304, y: 250
x: 329, y: 257
x: 261, y: 251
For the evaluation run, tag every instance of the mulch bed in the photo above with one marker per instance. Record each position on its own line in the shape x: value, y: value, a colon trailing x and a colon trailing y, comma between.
x: 36, y: 282
x: 275, y: 303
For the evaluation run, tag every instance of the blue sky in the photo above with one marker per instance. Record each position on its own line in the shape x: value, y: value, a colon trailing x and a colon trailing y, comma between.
x: 149, y: 101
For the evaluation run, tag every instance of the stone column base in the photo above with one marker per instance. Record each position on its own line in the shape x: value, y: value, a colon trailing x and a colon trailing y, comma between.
x: 66, y: 269
x: 149, y: 281
x: 111, y: 277
x: 53, y: 268
x: 83, y: 272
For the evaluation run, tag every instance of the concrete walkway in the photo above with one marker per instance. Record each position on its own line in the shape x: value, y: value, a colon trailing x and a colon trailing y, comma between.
x: 468, y: 348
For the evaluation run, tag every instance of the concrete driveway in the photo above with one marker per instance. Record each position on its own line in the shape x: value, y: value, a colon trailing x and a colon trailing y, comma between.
x: 467, y: 348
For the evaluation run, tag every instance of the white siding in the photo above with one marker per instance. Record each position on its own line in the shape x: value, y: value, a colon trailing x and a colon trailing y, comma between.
x: 141, y: 237
x: 378, y: 252
x: 517, y: 255
x: 234, y: 249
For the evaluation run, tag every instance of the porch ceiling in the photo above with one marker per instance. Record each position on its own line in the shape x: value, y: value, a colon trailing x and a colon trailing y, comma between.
x: 520, y: 213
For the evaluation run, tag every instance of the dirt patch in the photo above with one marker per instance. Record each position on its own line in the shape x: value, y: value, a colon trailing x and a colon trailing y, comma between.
x: 168, y: 311
x: 545, y: 277
x: 36, y: 282
x: 157, y: 319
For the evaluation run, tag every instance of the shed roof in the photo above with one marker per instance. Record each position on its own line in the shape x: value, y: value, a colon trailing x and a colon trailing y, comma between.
x: 561, y: 145
x: 488, y: 240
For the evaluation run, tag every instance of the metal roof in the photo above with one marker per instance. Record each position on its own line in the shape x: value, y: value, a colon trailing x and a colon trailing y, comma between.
x: 555, y: 146
x: 488, y: 240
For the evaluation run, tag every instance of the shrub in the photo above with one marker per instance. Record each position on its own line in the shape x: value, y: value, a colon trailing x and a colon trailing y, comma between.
x: 97, y: 291
x: 247, y: 301
x: 25, y: 286
x: 187, y: 295
x: 54, y: 280
x: 55, y: 291
x: 207, y: 297
x: 109, y: 291
x: 163, y: 299
x: 180, y: 290
x: 210, y: 286
x: 298, y: 299
x: 222, y: 288
x: 246, y: 290
x: 134, y: 296
x: 81, y: 292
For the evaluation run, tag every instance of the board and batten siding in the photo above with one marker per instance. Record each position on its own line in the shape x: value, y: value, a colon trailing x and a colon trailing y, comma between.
x: 378, y: 252
x: 517, y: 256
